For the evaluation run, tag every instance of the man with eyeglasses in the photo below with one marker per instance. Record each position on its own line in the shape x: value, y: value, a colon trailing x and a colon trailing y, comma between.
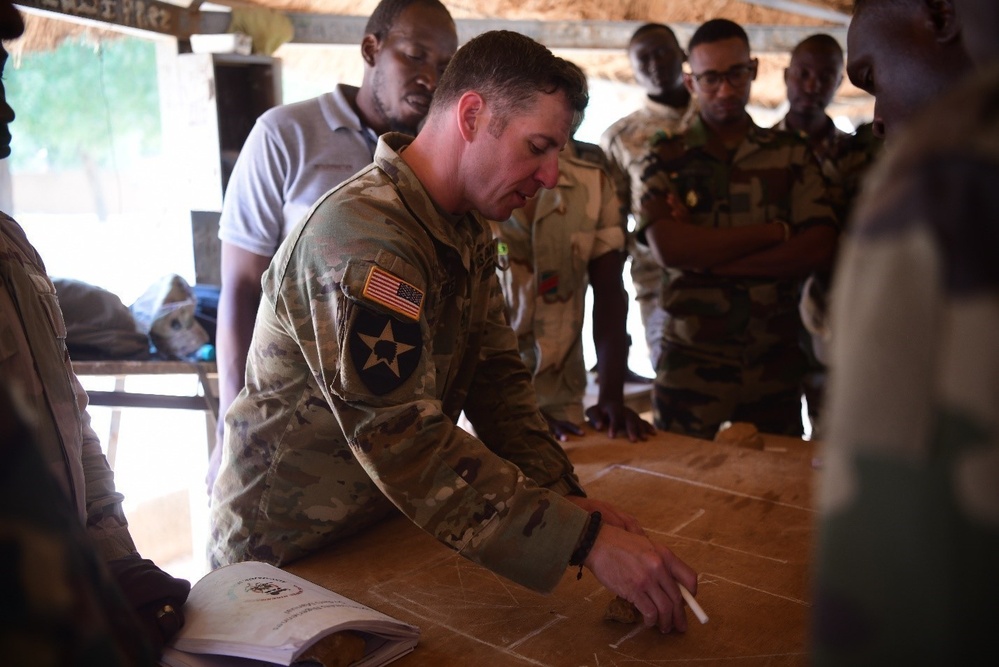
x: 738, y: 216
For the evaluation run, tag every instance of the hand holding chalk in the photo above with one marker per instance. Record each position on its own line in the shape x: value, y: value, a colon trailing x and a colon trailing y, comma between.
x: 692, y: 603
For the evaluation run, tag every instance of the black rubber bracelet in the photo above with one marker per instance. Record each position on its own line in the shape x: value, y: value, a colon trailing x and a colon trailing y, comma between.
x: 586, y: 544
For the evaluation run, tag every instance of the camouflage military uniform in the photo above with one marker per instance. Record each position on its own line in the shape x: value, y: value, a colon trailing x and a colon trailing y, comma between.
x: 731, y: 345
x: 626, y: 142
x: 909, y: 500
x: 546, y: 248
x: 34, y: 360
x: 843, y: 158
x: 382, y: 320
x: 60, y: 608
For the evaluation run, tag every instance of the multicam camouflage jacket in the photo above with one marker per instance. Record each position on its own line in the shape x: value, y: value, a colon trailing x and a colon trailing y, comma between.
x: 545, y: 251
x: 382, y: 320
x: 771, y: 176
x: 35, y: 364
x: 909, y: 500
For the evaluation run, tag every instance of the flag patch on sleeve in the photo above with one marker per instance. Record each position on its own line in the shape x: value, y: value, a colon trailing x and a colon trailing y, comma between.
x: 394, y: 293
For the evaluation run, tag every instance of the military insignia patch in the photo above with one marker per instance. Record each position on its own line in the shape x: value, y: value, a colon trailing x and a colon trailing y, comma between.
x: 384, y: 350
x: 394, y: 293
x: 502, y: 255
x: 548, y: 283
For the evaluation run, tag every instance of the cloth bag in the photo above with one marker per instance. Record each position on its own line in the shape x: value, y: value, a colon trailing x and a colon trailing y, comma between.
x: 166, y: 313
x: 98, y: 324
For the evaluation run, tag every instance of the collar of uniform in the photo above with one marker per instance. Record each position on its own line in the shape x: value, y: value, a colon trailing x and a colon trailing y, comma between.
x: 831, y: 135
x: 660, y: 110
x: 455, y: 231
x: 697, y: 135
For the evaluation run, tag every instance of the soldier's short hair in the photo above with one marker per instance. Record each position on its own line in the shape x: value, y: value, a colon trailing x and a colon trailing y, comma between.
x: 651, y: 27
x: 508, y: 69
x: 387, y: 11
x: 717, y: 30
x: 820, y: 41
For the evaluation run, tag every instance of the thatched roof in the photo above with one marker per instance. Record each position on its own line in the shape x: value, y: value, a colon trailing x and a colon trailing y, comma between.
x: 44, y: 32
x: 664, y: 11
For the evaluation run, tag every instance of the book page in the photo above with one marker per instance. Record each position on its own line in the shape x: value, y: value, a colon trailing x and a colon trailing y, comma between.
x: 255, y: 610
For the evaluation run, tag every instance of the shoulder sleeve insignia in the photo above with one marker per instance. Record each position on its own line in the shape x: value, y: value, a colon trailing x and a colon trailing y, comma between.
x: 384, y: 350
x: 394, y: 293
x: 502, y: 255
x: 660, y: 137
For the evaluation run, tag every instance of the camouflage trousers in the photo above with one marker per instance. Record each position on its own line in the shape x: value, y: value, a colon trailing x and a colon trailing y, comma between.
x: 647, y: 277
x: 694, y: 394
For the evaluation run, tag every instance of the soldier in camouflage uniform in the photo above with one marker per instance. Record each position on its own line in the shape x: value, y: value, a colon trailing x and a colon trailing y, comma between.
x: 383, y: 319
x: 656, y: 61
x: 60, y: 607
x: 737, y: 215
x: 563, y: 240
x: 908, y: 499
x: 60, y: 464
x: 812, y: 77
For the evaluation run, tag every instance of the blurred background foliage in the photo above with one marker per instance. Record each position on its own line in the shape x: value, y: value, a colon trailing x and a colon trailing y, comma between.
x: 86, y: 103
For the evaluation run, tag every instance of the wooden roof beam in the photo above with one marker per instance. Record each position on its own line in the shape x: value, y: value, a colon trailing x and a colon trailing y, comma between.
x: 803, y: 9
x: 168, y: 19
x: 612, y: 35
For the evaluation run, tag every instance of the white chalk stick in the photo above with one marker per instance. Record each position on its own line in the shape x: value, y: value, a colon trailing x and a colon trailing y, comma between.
x: 692, y: 603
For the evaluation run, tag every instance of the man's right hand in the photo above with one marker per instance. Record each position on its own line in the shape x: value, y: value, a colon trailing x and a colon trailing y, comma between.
x: 560, y: 428
x: 645, y: 574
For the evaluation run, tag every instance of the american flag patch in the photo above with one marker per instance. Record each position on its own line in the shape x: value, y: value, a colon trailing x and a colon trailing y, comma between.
x: 394, y: 293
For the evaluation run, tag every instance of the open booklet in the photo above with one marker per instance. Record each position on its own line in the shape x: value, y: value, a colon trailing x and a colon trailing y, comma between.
x: 253, y: 613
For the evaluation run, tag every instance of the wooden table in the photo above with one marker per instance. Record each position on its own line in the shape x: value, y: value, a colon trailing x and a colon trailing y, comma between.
x: 206, y: 399
x: 742, y: 518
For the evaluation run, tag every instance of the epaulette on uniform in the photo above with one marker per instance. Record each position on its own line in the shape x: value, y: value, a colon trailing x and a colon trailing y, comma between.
x: 769, y: 135
x: 590, y: 154
x: 661, y: 136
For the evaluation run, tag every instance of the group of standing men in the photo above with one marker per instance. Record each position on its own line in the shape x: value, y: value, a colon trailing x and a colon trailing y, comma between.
x: 381, y: 319
x: 729, y: 220
x: 385, y: 311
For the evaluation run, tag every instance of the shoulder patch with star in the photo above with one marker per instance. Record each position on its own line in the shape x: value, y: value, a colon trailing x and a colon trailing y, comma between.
x: 384, y: 350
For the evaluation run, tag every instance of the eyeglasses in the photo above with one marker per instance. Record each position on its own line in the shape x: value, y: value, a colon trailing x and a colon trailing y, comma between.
x: 737, y: 76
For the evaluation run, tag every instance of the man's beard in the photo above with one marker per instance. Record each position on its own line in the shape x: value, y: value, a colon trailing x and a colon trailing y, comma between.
x: 395, y: 124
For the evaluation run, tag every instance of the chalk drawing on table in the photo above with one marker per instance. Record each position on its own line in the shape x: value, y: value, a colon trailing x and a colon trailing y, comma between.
x: 712, y: 487
x: 694, y: 517
x: 718, y: 545
x: 453, y: 593
x: 751, y: 578
x: 625, y: 638
x: 710, y: 578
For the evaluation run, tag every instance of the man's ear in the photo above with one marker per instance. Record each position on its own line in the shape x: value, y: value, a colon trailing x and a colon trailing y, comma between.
x: 369, y: 48
x: 943, y: 20
x: 471, y: 110
x: 688, y: 83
